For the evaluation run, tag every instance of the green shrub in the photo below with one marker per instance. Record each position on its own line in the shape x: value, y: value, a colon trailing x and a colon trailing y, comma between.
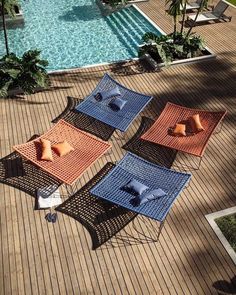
x: 27, y: 72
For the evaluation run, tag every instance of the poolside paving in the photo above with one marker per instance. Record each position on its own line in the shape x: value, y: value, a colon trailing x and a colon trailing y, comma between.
x: 38, y: 257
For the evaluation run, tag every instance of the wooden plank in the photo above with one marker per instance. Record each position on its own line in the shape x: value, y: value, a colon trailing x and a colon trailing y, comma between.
x: 38, y: 257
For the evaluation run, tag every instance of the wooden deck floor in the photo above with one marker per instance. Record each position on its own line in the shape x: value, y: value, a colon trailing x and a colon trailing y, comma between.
x: 37, y: 257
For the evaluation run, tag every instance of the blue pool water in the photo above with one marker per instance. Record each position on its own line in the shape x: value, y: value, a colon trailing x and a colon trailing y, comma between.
x: 73, y: 33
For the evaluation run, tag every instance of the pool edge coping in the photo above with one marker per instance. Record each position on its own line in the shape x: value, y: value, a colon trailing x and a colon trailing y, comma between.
x: 211, y: 219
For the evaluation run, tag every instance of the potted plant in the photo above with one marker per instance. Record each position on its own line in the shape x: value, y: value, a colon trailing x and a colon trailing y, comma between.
x: 177, y: 47
x: 24, y: 74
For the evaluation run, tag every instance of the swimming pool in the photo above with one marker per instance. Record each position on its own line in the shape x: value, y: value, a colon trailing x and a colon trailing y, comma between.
x: 73, y: 33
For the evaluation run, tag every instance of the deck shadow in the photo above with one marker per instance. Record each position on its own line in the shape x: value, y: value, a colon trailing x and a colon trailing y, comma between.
x: 142, y: 230
x: 106, y: 222
x: 81, y: 12
x: 19, y: 173
x: 130, y: 68
x: 152, y: 152
x: 225, y: 286
x: 83, y: 121
x: 101, y: 218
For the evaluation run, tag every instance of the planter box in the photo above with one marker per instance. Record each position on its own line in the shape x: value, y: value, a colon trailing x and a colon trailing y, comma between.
x: 211, y: 219
x: 157, y: 66
x: 107, y: 9
x: 230, y: 4
x: 19, y: 18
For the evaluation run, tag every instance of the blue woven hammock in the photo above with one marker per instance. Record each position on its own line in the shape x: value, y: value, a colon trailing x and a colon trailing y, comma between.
x: 101, y: 110
x: 131, y: 166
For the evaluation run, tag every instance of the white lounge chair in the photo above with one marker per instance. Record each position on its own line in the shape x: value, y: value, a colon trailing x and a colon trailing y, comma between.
x: 192, y: 5
x: 216, y: 14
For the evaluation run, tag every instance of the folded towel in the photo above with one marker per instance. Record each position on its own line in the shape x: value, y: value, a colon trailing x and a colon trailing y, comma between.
x: 107, y: 93
x: 151, y: 195
x: 135, y: 187
x: 47, y: 200
x: 117, y: 104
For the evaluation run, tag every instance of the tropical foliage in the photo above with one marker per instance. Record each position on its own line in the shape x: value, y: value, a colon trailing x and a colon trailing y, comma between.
x: 175, y: 11
x: 179, y: 44
x: 166, y: 48
x: 26, y: 73
x: 9, y: 7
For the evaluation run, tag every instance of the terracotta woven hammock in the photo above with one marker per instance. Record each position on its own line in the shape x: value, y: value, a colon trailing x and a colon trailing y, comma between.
x: 87, y: 149
x: 193, y: 144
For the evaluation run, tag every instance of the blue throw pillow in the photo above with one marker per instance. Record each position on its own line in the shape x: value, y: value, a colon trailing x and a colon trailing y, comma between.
x: 117, y: 104
x: 107, y: 93
x: 151, y: 195
x: 135, y: 187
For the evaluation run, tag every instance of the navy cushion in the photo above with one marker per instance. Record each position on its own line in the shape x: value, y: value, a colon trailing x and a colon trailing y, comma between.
x: 151, y: 195
x: 107, y: 93
x: 117, y: 104
x: 135, y: 187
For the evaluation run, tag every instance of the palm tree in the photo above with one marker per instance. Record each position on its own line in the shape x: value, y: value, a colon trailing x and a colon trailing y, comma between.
x: 7, y: 6
x: 175, y: 10
x: 4, y: 26
x: 202, y: 5
x: 183, y: 16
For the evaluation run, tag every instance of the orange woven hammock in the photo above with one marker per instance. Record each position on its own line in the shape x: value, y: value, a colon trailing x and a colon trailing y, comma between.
x: 87, y: 149
x: 195, y: 144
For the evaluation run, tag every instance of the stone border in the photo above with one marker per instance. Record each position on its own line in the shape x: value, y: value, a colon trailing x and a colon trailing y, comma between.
x: 149, y: 20
x: 211, y: 219
x: 157, y: 66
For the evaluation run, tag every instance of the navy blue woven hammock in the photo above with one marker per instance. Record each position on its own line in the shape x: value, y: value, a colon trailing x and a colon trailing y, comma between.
x: 101, y: 109
x: 111, y: 187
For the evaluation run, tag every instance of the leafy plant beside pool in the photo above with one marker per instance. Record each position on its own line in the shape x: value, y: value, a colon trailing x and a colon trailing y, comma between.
x: 167, y: 48
x: 26, y: 73
x: 180, y: 43
x: 227, y: 225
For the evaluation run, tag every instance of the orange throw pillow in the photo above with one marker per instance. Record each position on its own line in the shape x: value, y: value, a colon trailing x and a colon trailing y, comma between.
x: 62, y: 148
x: 46, y: 150
x: 179, y: 130
x: 195, y: 123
